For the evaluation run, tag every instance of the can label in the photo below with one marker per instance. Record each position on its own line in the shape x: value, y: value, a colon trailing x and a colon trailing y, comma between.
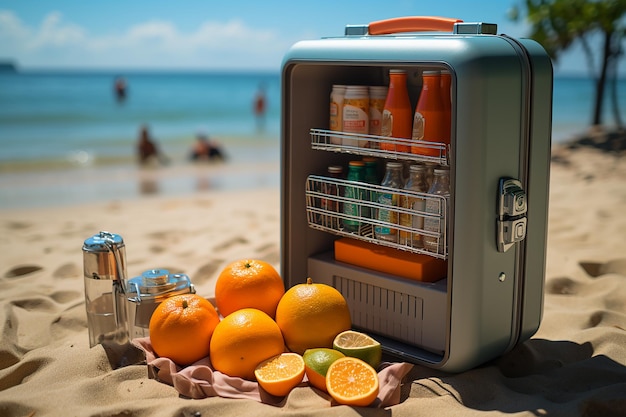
x: 377, y: 106
x: 356, y: 115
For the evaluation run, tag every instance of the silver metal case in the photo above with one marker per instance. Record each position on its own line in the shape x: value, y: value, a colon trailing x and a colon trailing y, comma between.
x: 499, y: 157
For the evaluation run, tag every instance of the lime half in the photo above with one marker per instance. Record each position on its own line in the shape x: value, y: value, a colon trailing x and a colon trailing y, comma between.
x: 359, y: 345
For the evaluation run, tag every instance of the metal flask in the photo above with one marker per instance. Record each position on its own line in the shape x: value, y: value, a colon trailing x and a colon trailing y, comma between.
x: 147, y: 291
x: 104, y: 260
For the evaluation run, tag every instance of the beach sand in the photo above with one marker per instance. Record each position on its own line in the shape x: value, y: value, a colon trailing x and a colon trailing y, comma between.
x: 574, y: 365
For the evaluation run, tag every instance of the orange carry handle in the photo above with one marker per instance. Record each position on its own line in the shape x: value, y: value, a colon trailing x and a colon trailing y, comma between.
x: 412, y: 24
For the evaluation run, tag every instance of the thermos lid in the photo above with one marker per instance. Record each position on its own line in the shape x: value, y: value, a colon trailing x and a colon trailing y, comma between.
x: 104, y: 257
x: 102, y: 242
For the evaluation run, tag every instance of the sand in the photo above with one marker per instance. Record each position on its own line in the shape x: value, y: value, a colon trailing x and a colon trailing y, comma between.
x: 574, y: 365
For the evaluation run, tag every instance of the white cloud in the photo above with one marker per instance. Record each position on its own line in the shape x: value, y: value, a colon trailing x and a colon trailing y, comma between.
x: 156, y: 43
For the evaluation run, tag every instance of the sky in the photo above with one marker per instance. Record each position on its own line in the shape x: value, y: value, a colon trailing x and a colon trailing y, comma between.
x: 209, y: 35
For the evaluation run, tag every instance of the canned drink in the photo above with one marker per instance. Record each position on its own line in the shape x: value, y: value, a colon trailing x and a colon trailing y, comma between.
x: 378, y: 95
x: 355, y: 114
x: 336, y: 111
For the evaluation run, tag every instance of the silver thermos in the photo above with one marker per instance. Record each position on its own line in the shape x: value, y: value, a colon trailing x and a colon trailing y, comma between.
x: 104, y: 259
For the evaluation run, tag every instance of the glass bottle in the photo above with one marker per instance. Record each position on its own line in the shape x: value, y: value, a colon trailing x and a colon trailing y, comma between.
x: 417, y: 182
x: 428, y: 121
x: 331, y: 206
x: 392, y: 179
x: 371, y: 177
x: 397, y: 114
x: 356, y: 173
x: 437, y: 222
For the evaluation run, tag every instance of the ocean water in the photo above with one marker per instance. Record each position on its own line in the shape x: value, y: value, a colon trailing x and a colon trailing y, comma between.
x: 57, y: 117
x: 60, y: 121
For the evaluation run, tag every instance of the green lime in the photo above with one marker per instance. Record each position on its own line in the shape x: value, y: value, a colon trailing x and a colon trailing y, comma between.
x: 359, y: 345
x: 316, y: 364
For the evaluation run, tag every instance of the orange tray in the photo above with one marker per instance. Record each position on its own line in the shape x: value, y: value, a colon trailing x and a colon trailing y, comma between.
x: 391, y: 261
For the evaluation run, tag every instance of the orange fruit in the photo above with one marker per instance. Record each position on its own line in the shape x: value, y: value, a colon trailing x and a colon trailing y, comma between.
x: 311, y: 315
x: 280, y: 374
x: 248, y: 283
x: 244, y: 339
x: 181, y: 328
x: 351, y: 381
x: 316, y: 364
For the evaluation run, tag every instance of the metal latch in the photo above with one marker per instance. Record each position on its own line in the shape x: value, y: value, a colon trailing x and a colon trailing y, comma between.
x: 512, y: 208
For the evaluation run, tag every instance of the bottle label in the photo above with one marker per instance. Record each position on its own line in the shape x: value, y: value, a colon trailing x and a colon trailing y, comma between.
x: 413, y: 221
x: 418, y: 206
x: 387, y: 216
x: 419, y: 125
x: 433, y: 224
x: 351, y: 208
x: 386, y: 123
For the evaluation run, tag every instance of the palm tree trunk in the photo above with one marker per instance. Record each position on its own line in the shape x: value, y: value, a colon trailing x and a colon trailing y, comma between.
x: 606, y: 54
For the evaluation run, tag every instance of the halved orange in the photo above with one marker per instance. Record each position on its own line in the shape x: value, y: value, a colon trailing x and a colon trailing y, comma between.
x: 351, y: 381
x: 280, y: 374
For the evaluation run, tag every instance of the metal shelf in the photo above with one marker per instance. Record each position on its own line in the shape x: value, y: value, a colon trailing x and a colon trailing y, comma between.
x: 330, y: 209
x: 379, y: 146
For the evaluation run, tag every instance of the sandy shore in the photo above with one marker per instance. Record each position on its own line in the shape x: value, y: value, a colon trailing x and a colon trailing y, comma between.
x: 575, y: 364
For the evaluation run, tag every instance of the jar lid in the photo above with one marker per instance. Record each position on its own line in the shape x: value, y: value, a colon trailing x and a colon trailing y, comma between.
x: 394, y: 164
x: 155, y: 283
x: 335, y: 169
x: 431, y: 73
x: 397, y: 71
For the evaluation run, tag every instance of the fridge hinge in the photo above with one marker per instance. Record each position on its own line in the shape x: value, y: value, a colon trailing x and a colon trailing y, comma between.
x: 512, y: 210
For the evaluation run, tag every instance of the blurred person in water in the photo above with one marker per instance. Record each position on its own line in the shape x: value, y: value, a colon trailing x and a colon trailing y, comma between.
x: 147, y: 149
x: 206, y: 149
x: 259, y: 107
x: 120, y: 89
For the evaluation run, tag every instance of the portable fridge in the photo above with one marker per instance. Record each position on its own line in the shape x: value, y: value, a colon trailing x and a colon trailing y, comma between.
x: 492, y: 238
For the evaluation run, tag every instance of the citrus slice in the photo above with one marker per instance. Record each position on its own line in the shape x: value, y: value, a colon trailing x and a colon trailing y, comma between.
x: 316, y: 363
x: 351, y: 381
x: 359, y: 345
x: 280, y: 374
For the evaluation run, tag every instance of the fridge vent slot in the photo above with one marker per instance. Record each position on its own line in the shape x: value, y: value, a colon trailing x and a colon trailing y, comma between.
x: 331, y: 210
x: 380, y: 310
x: 370, y: 145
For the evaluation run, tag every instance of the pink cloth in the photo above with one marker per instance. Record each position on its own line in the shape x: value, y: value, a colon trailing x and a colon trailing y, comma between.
x: 199, y: 380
